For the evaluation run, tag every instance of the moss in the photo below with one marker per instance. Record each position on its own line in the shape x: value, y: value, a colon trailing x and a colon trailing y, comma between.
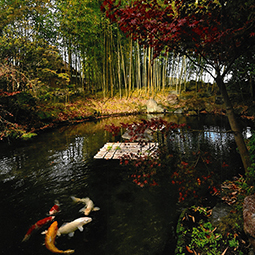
x: 197, y: 235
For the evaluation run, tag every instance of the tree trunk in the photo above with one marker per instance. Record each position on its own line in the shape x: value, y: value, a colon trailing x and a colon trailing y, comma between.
x: 252, y: 87
x: 234, y: 125
x: 139, y: 86
x: 119, y: 67
x: 130, y: 67
x: 124, y: 70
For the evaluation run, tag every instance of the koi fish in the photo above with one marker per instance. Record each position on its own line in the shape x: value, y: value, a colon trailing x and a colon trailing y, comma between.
x: 55, y: 208
x: 70, y: 227
x: 80, y: 200
x: 89, y: 205
x: 50, y: 239
x: 37, y: 225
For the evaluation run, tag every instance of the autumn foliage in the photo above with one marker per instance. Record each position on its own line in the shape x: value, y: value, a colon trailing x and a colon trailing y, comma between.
x: 191, y: 177
x: 205, y: 27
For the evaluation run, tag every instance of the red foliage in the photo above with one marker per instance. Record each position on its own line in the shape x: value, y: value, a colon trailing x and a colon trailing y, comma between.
x: 193, y: 179
x: 8, y: 94
x: 202, y: 28
x: 143, y: 169
x: 137, y: 130
x: 112, y: 129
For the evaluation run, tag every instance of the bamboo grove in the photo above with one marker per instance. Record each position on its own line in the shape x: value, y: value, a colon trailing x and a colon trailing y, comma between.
x: 70, y: 46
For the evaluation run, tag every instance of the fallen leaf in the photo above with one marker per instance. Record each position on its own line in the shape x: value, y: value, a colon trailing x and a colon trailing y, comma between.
x: 192, y: 217
x: 188, y: 249
x: 224, y: 252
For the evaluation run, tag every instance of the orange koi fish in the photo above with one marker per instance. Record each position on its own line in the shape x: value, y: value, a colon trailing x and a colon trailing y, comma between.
x: 55, y: 208
x: 37, y: 225
x: 50, y: 239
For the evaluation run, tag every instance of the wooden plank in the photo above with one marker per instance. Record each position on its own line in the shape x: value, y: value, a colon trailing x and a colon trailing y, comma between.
x: 117, y: 150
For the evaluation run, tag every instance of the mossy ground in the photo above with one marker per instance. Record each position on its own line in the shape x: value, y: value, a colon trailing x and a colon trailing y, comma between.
x: 198, y: 235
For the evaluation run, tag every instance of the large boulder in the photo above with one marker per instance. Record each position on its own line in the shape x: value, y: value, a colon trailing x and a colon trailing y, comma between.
x: 249, y: 218
x: 152, y: 106
x: 172, y: 99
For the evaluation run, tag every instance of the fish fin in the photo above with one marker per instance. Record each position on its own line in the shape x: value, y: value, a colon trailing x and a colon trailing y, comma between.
x: 44, y: 232
x: 71, y: 234
x: 56, y: 202
x: 82, y: 209
x: 80, y: 228
x: 96, y: 209
x: 75, y: 199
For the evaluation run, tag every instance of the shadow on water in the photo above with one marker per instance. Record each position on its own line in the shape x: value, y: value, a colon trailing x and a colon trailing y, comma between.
x: 59, y: 163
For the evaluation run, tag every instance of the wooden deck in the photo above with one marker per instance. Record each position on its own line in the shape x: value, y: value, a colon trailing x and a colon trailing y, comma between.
x: 116, y: 150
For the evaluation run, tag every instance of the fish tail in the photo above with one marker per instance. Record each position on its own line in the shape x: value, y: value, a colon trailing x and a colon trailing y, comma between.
x: 75, y: 199
x: 51, y: 247
x: 54, y: 249
x: 68, y: 251
x: 29, y: 232
x: 83, y: 209
x: 26, y: 237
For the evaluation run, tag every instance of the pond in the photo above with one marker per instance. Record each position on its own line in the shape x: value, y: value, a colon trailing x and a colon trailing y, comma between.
x: 59, y: 164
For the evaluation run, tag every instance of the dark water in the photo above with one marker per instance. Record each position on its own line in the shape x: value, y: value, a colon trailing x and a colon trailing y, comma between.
x: 59, y: 163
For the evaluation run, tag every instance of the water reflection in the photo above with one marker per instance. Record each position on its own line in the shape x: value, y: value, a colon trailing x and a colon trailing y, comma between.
x: 59, y: 163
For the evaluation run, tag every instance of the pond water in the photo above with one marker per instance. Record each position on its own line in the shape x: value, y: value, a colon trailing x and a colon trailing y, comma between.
x: 59, y: 164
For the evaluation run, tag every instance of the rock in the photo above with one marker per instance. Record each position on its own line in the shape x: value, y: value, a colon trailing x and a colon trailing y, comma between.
x: 152, y: 106
x: 249, y: 218
x: 178, y: 111
x: 218, y: 212
x: 219, y: 100
x: 172, y: 99
x: 251, y: 252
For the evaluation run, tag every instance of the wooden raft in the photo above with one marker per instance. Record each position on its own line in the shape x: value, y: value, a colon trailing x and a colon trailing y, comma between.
x: 116, y: 150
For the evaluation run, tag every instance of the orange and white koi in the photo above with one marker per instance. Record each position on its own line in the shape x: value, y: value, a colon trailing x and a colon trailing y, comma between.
x: 55, y: 208
x: 50, y: 239
x: 37, y: 225
x: 89, y: 205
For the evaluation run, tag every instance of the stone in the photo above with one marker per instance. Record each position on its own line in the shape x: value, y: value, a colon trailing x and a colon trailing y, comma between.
x: 178, y: 111
x: 172, y: 99
x: 152, y: 106
x: 219, y: 211
x: 249, y: 218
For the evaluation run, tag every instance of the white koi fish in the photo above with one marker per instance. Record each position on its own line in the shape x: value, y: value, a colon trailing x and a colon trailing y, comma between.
x: 89, y: 205
x: 70, y: 227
